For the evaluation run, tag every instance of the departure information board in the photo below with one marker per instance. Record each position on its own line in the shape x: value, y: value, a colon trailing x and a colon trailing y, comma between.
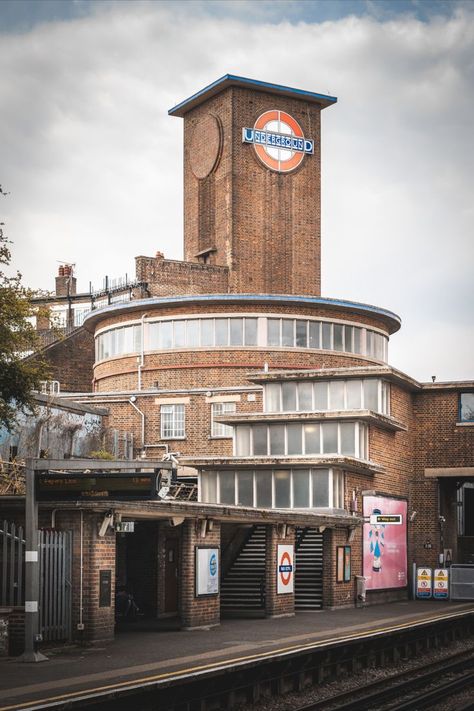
x: 86, y: 486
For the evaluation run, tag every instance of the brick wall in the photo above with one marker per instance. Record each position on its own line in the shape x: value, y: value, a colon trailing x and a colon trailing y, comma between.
x: 71, y: 361
x: 265, y: 226
x: 196, y: 611
x: 168, y: 277
x: 439, y: 442
x: 283, y: 604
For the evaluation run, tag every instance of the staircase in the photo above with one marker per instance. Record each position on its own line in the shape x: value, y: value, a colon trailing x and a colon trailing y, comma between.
x: 243, y: 586
x: 308, y: 569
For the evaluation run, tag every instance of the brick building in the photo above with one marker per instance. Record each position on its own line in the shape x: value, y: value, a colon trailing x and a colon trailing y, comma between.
x: 303, y: 439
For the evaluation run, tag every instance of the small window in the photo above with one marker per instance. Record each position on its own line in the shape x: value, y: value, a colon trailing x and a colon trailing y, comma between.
x: 466, y: 407
x: 217, y: 428
x: 172, y: 422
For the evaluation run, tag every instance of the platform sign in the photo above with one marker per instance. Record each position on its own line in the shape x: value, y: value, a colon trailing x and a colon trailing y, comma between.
x: 207, y: 571
x: 441, y: 584
x: 423, y: 582
x: 285, y: 569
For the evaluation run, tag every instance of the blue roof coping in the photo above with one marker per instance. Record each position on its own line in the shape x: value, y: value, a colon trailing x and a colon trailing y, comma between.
x: 393, y: 320
x: 232, y: 80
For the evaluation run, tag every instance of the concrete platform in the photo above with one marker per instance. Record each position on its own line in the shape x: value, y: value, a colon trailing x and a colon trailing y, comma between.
x: 149, y: 651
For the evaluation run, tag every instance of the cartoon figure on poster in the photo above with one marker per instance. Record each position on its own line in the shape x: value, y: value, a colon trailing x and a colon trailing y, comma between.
x: 384, y: 542
x: 376, y: 538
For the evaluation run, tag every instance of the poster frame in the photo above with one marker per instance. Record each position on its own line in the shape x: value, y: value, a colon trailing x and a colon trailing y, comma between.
x: 395, y: 497
x: 197, y: 564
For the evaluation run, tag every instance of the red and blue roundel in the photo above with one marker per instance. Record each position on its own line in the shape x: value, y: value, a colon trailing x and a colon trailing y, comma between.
x: 278, y: 141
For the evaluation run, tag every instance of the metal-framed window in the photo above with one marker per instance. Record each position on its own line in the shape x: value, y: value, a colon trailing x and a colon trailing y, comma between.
x: 172, y: 421
x: 466, y: 407
x: 274, y: 488
x: 217, y: 428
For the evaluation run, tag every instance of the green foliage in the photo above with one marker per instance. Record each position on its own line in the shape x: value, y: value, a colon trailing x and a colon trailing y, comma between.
x: 101, y: 454
x: 19, y: 375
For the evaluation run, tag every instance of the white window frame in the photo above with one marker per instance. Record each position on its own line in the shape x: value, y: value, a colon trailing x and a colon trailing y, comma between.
x: 173, y: 409
x: 219, y: 430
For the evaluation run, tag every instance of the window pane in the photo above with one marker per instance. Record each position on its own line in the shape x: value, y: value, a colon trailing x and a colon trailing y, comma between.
x: 207, y: 332
x: 245, y: 488
x: 166, y: 334
x: 222, y: 338
x: 242, y: 441
x: 260, y: 447
x: 369, y: 343
x: 153, y: 336
x: 371, y: 389
x: 321, y: 396
x: 363, y: 454
x: 302, y: 334
x: 329, y: 430
x: 320, y: 482
x: 209, y: 487
x: 287, y: 338
x: 379, y: 339
x: 288, y: 391
x: 357, y: 340
x: 347, y: 430
x: 273, y: 332
x: 385, y: 398
x: 294, y: 435
x: 264, y: 489
x: 338, y: 490
x: 348, y: 339
x: 227, y: 487
x: 326, y: 336
x: 338, y: 329
x: 336, y: 395
x: 172, y: 421
x: 312, y: 439
x: 354, y: 394
x: 467, y: 407
x: 236, y: 331
x: 137, y: 338
x: 179, y: 334
x: 277, y: 439
x: 305, y: 396
x: 192, y: 333
x: 301, y: 488
x: 282, y: 489
x: 314, y: 334
x: 272, y: 397
x: 220, y: 408
x: 128, y: 340
x: 119, y: 337
x: 250, y: 331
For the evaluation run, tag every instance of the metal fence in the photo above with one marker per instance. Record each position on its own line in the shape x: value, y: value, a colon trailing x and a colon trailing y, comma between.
x: 55, y: 584
x: 55, y: 549
x: 461, y: 582
x: 12, y: 565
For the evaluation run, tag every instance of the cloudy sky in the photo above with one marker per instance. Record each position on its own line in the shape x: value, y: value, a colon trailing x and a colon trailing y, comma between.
x: 93, y: 163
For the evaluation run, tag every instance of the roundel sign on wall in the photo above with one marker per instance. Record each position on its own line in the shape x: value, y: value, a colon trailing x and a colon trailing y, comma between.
x: 278, y: 141
x: 285, y: 569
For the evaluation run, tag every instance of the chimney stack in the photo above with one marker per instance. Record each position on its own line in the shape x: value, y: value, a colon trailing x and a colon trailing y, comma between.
x: 65, y: 281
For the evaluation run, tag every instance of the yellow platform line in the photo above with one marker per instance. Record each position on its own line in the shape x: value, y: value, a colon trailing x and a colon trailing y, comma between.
x: 178, y: 674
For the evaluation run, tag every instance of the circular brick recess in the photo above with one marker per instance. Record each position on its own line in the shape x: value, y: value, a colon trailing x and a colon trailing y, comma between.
x: 205, y: 146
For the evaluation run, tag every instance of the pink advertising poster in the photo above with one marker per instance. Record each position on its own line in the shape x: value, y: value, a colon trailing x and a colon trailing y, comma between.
x: 385, y: 542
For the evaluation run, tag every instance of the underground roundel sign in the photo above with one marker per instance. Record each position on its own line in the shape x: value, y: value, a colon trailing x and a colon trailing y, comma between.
x: 278, y: 141
x: 285, y: 569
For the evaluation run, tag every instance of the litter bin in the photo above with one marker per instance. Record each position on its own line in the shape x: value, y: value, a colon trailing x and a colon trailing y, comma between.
x: 361, y: 589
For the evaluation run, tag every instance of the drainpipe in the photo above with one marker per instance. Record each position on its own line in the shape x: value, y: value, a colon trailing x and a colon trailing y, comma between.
x: 142, y: 415
x: 141, y: 361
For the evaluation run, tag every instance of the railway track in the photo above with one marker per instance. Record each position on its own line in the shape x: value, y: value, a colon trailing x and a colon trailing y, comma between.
x: 414, y: 689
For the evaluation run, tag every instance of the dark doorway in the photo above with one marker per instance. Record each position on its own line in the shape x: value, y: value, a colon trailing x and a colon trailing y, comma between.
x: 171, y: 576
x: 468, y: 511
x: 136, y: 566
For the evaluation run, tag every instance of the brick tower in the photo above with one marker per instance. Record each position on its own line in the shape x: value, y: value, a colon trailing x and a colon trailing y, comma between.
x: 252, y: 184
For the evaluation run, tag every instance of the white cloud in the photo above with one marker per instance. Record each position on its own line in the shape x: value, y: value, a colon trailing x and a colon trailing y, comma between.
x: 94, y: 164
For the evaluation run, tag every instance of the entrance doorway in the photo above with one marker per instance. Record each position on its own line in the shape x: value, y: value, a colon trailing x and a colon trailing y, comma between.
x: 136, y: 568
x: 171, y: 576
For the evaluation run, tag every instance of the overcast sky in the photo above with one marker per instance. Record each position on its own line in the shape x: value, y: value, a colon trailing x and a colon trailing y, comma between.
x: 93, y: 163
